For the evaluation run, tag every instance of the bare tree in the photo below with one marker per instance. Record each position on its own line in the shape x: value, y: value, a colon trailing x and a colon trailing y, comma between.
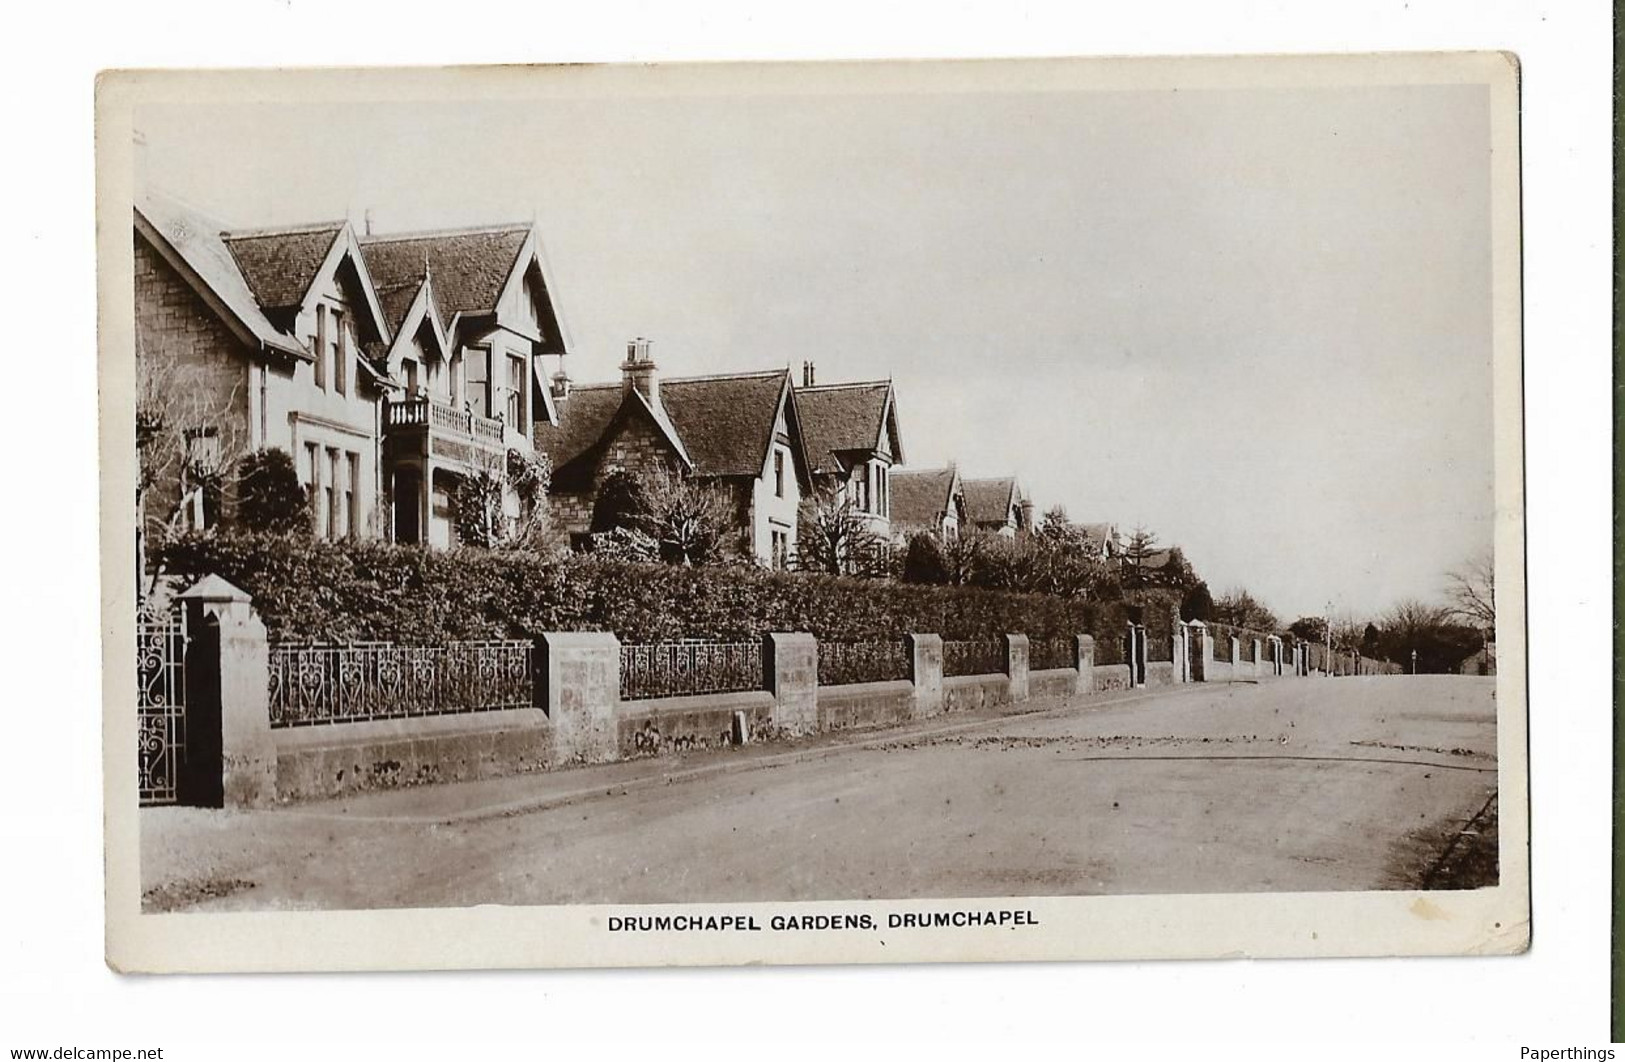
x: 188, y: 444
x: 1471, y: 589
x: 686, y: 516
x: 834, y: 537
x: 1239, y: 608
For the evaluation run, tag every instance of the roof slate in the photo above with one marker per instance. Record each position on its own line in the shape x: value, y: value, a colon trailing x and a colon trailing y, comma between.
x: 582, y: 420
x: 920, y: 496
x: 280, y: 266
x: 469, y: 268
x: 988, y: 501
x: 195, y: 237
x: 725, y: 422
x: 840, y: 417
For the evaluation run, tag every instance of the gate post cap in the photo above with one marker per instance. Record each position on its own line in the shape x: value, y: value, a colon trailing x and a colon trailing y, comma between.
x: 212, y: 588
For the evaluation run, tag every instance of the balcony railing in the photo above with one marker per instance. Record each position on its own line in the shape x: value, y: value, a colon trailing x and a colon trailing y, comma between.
x: 441, y: 416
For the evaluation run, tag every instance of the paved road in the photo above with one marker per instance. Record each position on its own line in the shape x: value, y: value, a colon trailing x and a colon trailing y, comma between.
x: 1353, y: 783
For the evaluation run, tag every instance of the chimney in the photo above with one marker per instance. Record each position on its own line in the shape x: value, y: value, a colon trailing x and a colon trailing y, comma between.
x: 809, y: 373
x: 1026, y: 513
x: 561, y: 385
x: 366, y: 221
x: 638, y: 371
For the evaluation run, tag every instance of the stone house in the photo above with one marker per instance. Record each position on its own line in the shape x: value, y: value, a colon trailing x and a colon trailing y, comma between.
x: 998, y: 506
x: 386, y: 366
x: 265, y: 332
x: 853, y: 443
x: 473, y: 316
x: 929, y: 499
x: 738, y: 431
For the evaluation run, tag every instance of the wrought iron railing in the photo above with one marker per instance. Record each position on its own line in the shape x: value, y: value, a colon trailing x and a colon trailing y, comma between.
x: 312, y: 685
x: 845, y: 663
x: 1159, y: 648
x: 1111, y: 648
x: 681, y: 669
x: 973, y: 658
x: 160, y: 697
x: 1223, y: 647
x: 1046, y: 654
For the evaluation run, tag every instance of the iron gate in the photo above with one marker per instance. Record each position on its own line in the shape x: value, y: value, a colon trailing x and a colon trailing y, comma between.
x: 160, y: 704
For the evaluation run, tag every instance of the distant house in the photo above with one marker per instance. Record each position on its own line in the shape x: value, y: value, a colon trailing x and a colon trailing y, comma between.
x: 740, y: 431
x: 1101, y: 541
x: 931, y: 499
x: 852, y: 442
x: 998, y: 506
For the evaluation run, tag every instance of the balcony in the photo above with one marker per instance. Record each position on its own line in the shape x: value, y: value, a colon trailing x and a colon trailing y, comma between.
x: 446, y: 431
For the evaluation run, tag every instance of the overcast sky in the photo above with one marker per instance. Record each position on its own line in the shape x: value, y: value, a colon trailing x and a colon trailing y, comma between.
x: 1255, y: 321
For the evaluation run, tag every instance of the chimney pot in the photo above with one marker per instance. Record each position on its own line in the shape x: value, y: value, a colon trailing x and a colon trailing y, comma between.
x: 638, y: 371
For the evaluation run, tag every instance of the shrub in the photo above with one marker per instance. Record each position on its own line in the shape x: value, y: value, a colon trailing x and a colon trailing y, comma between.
x: 923, y: 561
x: 310, y: 589
x: 271, y: 497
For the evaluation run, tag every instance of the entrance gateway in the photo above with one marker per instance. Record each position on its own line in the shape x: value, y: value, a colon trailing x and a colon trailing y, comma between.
x: 160, y: 648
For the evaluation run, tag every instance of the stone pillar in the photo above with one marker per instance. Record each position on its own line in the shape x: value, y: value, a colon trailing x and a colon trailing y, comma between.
x: 1258, y: 658
x: 1202, y: 654
x: 1015, y: 665
x: 1177, y: 639
x: 790, y: 671
x: 1086, y: 664
x: 925, y: 671
x: 231, y: 757
x: 583, y: 691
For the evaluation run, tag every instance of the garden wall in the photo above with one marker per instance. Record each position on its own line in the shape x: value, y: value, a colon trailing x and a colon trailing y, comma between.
x: 1110, y: 677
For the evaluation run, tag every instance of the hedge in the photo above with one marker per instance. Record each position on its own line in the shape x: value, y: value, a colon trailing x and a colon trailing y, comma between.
x: 310, y: 590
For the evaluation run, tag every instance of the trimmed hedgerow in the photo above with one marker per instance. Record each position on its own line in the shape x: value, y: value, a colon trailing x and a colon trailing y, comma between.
x: 305, y: 589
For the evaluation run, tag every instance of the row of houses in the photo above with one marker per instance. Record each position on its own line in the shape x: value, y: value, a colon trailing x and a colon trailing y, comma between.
x: 390, y: 366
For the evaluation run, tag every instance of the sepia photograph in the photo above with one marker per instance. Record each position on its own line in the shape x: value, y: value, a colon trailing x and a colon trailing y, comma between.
x: 813, y: 512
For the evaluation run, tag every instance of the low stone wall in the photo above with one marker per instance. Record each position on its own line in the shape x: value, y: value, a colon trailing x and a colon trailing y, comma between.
x: 1053, y: 682
x: 328, y: 761
x: 1111, y: 677
x: 579, y: 717
x: 966, y: 693
x: 865, y: 704
x: 678, y: 724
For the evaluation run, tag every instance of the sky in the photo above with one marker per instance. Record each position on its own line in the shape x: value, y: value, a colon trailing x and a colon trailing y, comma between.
x: 1254, y: 321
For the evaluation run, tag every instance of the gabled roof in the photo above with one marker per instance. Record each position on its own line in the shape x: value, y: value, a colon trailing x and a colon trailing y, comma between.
x: 587, y: 420
x: 842, y: 418
x: 281, y: 264
x: 989, y: 501
x: 190, y: 241
x: 718, y: 425
x: 922, y: 496
x: 582, y: 420
x: 470, y: 267
x: 419, y: 312
x: 726, y: 421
